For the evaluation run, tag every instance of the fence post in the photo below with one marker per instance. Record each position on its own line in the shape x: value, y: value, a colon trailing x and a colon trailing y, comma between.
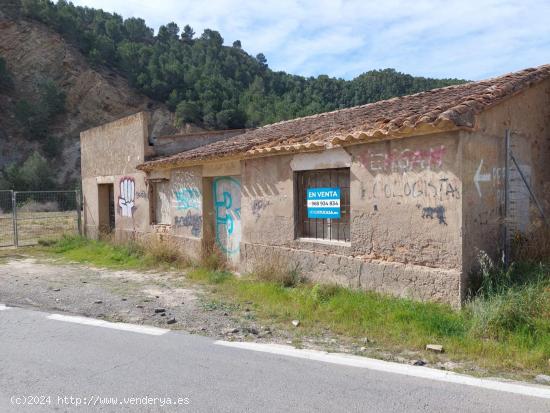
x: 78, y: 211
x: 14, y: 218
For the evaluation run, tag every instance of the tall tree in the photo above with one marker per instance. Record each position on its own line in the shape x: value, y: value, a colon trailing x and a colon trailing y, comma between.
x: 187, y: 34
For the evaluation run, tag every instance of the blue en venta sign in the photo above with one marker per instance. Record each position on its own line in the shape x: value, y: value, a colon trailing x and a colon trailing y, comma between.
x: 323, y: 203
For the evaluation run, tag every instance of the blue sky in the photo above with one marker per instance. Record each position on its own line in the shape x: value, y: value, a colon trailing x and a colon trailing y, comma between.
x: 343, y: 38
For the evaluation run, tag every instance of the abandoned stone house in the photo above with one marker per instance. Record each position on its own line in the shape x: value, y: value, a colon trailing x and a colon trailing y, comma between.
x: 396, y: 196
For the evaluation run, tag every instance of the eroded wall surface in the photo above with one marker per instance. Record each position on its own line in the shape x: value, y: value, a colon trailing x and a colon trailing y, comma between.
x: 406, y: 205
x: 527, y: 115
x: 186, y: 193
x: 110, y: 154
x: 421, y: 207
x: 405, y: 210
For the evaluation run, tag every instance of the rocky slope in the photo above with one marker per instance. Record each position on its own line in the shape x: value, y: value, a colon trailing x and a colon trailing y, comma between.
x: 94, y: 96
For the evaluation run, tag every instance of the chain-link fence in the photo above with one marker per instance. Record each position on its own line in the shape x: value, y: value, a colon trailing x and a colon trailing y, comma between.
x: 26, y: 217
x: 7, y: 225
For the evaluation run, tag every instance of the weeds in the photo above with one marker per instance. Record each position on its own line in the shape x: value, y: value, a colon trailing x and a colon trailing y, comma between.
x: 209, y: 276
x: 277, y: 270
x: 148, y: 253
x: 321, y: 293
x: 511, y: 301
x: 164, y: 251
x: 46, y: 242
x: 212, y: 258
x: 505, y: 324
x: 493, y: 278
x: 533, y: 247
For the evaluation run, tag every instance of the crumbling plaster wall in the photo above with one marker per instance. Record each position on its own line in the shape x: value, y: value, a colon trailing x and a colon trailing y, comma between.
x: 192, y: 214
x: 527, y: 115
x: 110, y: 154
x: 186, y: 197
x: 406, y: 204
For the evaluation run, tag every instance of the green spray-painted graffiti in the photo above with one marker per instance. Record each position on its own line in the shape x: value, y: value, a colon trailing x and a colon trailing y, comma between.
x: 227, y: 203
x: 188, y: 198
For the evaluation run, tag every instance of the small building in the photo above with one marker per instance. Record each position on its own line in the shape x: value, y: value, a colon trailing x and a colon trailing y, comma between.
x: 397, y: 196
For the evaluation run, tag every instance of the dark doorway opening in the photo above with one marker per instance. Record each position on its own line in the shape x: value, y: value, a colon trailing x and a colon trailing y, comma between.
x: 106, y: 208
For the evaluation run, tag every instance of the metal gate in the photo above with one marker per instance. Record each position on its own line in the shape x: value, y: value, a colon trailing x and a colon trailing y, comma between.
x: 27, y: 217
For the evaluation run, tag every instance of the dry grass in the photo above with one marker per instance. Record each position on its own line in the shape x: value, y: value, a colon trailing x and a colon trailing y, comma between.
x: 165, y: 251
x: 112, y: 253
x: 533, y: 247
x: 35, y: 226
x: 34, y: 206
x: 212, y: 258
x: 276, y: 269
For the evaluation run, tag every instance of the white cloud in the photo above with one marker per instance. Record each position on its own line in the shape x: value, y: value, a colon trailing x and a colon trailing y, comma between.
x: 453, y: 38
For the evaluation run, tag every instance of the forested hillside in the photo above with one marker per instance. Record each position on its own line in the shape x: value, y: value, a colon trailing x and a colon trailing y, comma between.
x: 64, y: 69
x: 206, y: 82
x: 48, y: 94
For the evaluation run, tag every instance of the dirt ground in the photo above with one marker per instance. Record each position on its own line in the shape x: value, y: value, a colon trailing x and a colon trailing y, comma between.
x: 141, y: 297
x: 169, y: 300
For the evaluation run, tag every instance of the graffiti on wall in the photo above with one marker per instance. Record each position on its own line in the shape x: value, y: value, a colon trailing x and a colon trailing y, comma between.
x: 404, y: 160
x: 491, y: 181
x: 227, y: 204
x: 437, y: 212
x: 187, y: 201
x: 126, y: 200
x: 188, y: 198
x: 190, y: 220
x: 405, y: 186
x: 258, y: 205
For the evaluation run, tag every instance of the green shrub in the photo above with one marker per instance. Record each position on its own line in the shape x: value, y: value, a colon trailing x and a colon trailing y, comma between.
x: 323, y: 292
x: 52, y: 99
x: 37, y: 115
x: 34, y: 174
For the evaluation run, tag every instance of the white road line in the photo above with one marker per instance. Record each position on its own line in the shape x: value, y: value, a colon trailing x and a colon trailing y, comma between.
x: 153, y: 331
x: 3, y: 307
x: 391, y: 367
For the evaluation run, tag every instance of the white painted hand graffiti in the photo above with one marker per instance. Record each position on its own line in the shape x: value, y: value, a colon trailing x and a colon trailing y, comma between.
x: 127, y: 196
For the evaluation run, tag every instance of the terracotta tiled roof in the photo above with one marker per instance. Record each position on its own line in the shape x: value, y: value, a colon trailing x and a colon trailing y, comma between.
x: 448, y: 108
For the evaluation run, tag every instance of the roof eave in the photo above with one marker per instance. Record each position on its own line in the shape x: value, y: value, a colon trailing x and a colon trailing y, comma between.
x: 355, y: 138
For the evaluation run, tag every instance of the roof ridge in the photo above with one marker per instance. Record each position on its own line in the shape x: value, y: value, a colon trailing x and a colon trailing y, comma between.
x: 430, y: 91
x: 448, y: 108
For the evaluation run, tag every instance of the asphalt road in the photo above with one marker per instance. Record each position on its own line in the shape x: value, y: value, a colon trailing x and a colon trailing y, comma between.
x: 48, y: 361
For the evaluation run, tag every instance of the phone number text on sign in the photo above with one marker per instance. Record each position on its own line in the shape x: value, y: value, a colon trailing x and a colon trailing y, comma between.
x: 323, y: 203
